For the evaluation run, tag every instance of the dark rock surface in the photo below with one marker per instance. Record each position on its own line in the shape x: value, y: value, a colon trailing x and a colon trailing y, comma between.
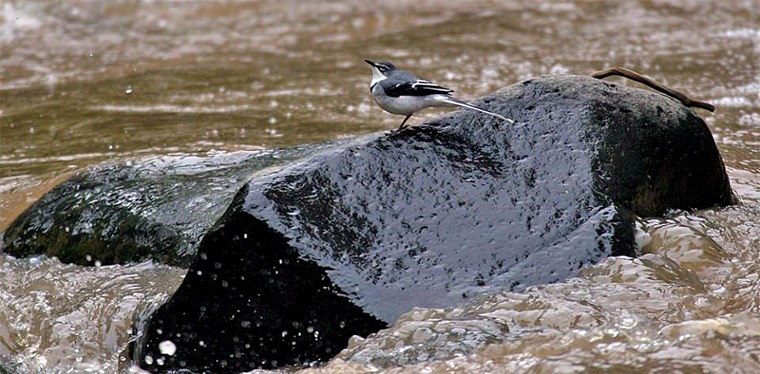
x: 433, y: 215
x: 156, y: 208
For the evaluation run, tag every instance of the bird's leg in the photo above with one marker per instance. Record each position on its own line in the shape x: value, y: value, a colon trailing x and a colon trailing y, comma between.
x: 403, y: 122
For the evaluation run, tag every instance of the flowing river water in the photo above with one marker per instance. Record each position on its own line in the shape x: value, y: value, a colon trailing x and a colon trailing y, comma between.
x: 87, y: 82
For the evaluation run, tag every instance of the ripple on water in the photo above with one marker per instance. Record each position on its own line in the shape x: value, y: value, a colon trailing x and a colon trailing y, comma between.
x: 61, y: 315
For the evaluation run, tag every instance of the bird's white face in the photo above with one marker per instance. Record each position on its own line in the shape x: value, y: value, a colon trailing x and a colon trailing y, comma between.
x: 377, y: 76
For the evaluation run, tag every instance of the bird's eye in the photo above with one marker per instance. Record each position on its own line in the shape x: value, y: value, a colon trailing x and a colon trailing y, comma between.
x: 382, y: 68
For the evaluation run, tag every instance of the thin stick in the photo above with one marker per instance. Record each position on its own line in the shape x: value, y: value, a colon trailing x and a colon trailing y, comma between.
x: 632, y: 75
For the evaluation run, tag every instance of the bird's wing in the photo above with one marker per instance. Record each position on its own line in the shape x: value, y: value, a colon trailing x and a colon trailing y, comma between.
x: 417, y: 88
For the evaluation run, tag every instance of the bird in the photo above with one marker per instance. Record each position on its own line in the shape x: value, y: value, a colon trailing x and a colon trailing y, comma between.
x: 400, y: 92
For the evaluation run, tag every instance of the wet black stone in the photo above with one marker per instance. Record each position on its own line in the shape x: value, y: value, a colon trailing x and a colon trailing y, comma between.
x: 344, y: 241
x: 347, y: 240
x: 279, y: 309
x: 157, y: 208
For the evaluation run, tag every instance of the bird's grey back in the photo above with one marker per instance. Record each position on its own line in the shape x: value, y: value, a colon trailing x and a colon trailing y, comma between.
x: 400, y: 76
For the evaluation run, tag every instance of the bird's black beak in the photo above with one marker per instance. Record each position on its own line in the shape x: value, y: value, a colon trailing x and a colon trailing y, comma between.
x: 370, y: 62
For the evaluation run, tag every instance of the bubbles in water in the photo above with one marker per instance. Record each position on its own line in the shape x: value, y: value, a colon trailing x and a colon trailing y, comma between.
x: 558, y: 69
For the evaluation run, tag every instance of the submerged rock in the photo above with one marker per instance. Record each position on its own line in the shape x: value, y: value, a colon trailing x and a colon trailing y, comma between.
x: 344, y: 242
x: 157, y: 208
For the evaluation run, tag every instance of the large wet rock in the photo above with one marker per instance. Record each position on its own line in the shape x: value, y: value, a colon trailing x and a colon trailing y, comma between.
x: 155, y: 208
x: 346, y: 241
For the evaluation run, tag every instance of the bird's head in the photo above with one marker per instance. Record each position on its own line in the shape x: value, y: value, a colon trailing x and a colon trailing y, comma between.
x: 380, y: 70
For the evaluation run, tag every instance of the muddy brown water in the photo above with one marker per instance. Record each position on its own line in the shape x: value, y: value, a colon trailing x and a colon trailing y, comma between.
x: 88, y: 82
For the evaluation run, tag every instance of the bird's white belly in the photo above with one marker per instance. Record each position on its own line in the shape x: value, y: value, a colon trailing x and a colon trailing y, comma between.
x: 407, y: 105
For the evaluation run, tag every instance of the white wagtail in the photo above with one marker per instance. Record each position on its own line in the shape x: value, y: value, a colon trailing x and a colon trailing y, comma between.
x: 400, y: 92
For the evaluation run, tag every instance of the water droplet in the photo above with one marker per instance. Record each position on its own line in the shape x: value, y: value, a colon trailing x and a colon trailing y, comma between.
x: 167, y: 347
x: 294, y: 212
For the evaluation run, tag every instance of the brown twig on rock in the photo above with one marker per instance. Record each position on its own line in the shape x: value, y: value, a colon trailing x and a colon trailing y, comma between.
x: 632, y: 75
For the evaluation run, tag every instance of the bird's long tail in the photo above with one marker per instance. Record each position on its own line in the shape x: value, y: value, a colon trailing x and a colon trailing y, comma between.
x: 452, y: 101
